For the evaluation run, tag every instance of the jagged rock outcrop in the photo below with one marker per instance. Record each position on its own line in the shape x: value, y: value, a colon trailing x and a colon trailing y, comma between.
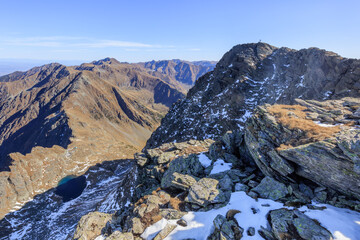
x: 254, y: 74
x: 316, y: 141
x: 57, y: 121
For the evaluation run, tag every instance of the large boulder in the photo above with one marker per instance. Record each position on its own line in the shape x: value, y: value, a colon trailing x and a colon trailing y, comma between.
x: 90, y: 225
x: 292, y: 224
x: 291, y: 142
x: 270, y: 188
x: 180, y: 173
x: 225, y: 229
x: 206, y: 192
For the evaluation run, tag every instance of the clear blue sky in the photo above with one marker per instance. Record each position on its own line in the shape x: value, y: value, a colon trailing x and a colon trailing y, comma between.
x: 141, y: 30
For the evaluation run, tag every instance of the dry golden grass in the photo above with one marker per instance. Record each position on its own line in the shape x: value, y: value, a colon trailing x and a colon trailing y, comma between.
x: 156, y: 218
x: 294, y: 118
x: 175, y: 203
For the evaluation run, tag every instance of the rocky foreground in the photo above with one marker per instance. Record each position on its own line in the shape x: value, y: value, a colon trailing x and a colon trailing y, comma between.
x: 303, y: 158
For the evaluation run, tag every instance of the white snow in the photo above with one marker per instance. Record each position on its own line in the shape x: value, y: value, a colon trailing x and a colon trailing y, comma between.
x: 204, y: 160
x: 342, y: 223
x: 325, y: 125
x: 220, y: 166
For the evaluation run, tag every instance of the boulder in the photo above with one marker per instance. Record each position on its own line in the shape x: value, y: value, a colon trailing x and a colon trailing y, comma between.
x: 177, y: 181
x: 270, y: 188
x: 90, y: 225
x: 117, y: 235
x: 290, y: 224
x: 206, y: 192
x: 225, y: 229
x: 165, y: 231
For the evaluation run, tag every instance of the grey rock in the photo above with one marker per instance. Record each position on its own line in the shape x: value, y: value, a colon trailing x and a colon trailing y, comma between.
x: 206, y: 192
x: 292, y: 223
x: 182, y: 222
x: 225, y: 229
x: 270, y: 188
x: 250, y: 231
x: 117, y: 235
x: 252, y: 183
x: 241, y: 187
x: 306, y: 190
x: 177, y: 181
x: 171, y: 214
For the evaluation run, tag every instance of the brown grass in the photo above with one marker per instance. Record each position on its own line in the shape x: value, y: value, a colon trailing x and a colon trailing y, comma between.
x: 175, y: 203
x: 294, y: 118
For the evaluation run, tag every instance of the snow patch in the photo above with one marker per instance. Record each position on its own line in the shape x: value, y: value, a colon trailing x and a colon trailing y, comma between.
x: 220, y: 166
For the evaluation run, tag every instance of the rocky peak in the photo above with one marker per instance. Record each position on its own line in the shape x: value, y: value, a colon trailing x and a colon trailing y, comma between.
x: 250, y: 75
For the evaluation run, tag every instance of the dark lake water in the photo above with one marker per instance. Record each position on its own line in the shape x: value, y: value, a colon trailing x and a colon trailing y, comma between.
x: 71, y: 187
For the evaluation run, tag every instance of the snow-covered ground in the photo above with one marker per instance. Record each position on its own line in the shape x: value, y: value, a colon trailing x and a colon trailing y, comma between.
x: 344, y: 224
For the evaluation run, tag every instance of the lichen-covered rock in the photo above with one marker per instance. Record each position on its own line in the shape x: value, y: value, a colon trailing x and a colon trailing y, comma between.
x: 327, y: 155
x: 177, y: 181
x: 171, y: 214
x: 117, y: 235
x: 137, y: 226
x: 225, y: 229
x: 206, y: 192
x: 90, y: 225
x: 165, y: 231
x: 270, y: 188
x: 290, y: 224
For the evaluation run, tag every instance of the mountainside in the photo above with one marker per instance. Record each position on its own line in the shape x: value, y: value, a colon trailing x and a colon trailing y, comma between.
x: 181, y: 71
x: 254, y: 74
x: 57, y: 121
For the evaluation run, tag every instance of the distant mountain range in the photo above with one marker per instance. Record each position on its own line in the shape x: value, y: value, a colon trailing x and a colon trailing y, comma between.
x: 57, y: 120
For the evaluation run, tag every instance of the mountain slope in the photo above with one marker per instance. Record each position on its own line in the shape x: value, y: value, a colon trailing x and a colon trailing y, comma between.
x: 57, y: 121
x: 180, y: 71
x: 254, y: 74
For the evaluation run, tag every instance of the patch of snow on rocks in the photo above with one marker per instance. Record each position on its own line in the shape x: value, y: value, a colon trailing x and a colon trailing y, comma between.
x: 220, y: 166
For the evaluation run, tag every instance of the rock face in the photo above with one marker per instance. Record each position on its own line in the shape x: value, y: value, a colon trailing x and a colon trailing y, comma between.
x: 57, y: 121
x: 254, y: 74
x: 289, y: 142
x: 181, y: 71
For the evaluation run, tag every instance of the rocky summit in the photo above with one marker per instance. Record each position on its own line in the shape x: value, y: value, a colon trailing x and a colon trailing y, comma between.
x: 254, y: 74
x: 265, y: 146
x: 57, y: 121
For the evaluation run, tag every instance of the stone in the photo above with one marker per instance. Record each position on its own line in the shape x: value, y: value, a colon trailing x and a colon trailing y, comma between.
x: 182, y: 222
x: 171, y: 214
x: 141, y: 159
x: 225, y: 229
x: 206, y: 192
x: 177, y: 181
x: 117, y: 235
x: 253, y: 195
x: 252, y: 183
x: 321, y: 197
x: 250, y: 231
x: 189, y: 166
x: 241, y: 187
x: 90, y: 225
x: 226, y: 184
x: 306, y: 190
x: 271, y: 189
x: 231, y: 213
x: 288, y: 224
x: 165, y: 231
x: 137, y: 226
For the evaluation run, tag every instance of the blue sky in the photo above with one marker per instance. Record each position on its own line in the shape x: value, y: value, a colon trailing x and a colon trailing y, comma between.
x: 140, y: 30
